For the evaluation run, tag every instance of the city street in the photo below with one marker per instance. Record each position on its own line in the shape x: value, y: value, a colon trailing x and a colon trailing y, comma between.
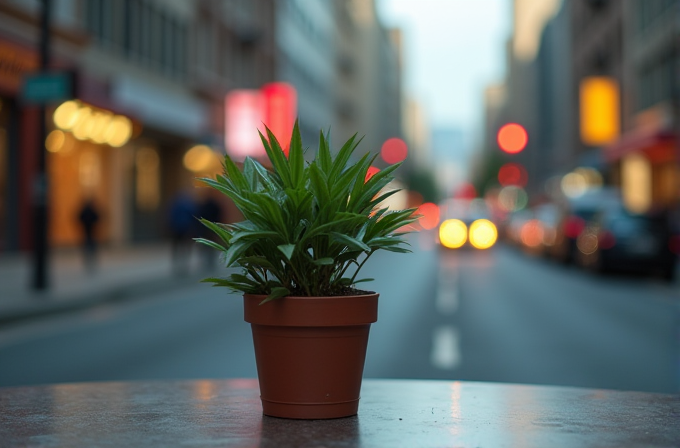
x: 498, y: 315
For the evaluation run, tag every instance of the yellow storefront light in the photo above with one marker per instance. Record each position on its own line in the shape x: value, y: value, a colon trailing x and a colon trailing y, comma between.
x: 453, y: 233
x: 599, y: 110
x: 81, y: 130
x: 483, y: 234
x: 90, y: 123
x: 118, y: 131
x: 55, y: 141
x: 199, y: 158
x: 66, y: 115
x: 100, y: 123
x: 636, y: 183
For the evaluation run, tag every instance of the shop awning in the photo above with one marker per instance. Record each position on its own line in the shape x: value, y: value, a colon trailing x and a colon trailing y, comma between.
x: 658, y: 145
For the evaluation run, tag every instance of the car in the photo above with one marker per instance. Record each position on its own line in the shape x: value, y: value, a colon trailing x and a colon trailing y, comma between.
x: 573, y: 216
x: 466, y: 223
x: 616, y: 240
x: 547, y: 217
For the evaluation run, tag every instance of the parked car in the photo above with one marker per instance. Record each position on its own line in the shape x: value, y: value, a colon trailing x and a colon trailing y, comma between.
x: 515, y: 226
x: 466, y: 224
x: 573, y: 217
x: 615, y: 240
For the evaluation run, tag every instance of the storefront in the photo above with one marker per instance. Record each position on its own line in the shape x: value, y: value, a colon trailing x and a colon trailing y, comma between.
x: 646, y: 163
x: 87, y: 155
x: 15, y: 62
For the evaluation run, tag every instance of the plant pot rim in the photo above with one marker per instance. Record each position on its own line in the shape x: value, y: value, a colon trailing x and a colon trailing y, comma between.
x: 302, y: 311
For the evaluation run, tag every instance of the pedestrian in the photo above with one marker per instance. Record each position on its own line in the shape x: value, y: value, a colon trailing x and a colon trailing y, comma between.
x: 88, y: 216
x: 181, y: 221
x: 210, y: 210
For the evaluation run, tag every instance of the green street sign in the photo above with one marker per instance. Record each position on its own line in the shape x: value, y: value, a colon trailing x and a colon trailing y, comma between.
x: 44, y: 88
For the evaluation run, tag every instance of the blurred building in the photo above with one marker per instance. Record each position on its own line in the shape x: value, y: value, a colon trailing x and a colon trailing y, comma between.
x: 520, y: 98
x: 305, y: 33
x: 156, y: 72
x: 379, y: 68
x: 597, y: 30
x: 644, y: 159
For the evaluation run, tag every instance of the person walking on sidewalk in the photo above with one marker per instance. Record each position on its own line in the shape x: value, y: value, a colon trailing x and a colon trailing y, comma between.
x: 88, y: 217
x: 182, y: 224
x: 211, y: 210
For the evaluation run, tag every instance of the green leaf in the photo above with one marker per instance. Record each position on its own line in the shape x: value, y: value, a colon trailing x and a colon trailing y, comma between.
x: 340, y: 162
x: 256, y: 261
x: 255, y: 235
x: 223, y: 233
x: 401, y: 250
x: 350, y: 242
x: 364, y: 280
x: 209, y: 243
x: 296, y: 158
x: 235, y: 251
x: 323, y: 155
x: 234, y: 174
x: 324, y: 261
x: 276, y: 293
x: 277, y: 157
x: 287, y: 250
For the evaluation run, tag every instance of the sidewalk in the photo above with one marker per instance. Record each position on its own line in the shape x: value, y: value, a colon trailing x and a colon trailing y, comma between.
x: 121, y: 273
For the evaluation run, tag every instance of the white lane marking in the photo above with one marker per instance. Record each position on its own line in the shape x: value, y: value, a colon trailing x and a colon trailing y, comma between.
x: 446, y: 352
x: 447, y: 293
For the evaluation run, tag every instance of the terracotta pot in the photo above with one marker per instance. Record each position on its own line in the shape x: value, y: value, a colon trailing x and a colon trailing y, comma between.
x: 310, y: 353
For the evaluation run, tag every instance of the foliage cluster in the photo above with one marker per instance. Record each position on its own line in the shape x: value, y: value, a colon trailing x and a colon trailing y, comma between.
x: 309, y: 226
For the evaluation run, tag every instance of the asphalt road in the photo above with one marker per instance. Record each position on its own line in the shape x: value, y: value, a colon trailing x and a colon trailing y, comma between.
x: 498, y: 315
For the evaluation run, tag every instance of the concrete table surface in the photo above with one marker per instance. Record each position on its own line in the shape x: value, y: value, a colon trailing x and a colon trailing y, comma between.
x: 392, y: 413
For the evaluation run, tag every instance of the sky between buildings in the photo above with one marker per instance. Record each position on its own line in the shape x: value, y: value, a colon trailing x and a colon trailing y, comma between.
x: 452, y: 50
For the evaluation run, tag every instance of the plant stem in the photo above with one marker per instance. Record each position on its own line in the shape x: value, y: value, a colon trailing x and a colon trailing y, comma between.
x: 359, y: 267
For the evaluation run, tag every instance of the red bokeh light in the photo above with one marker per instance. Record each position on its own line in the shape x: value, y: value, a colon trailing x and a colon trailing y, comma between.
x: 512, y: 174
x: 532, y: 233
x: 466, y: 191
x: 394, y: 150
x: 280, y: 111
x: 370, y: 172
x: 512, y: 138
x: 430, y: 215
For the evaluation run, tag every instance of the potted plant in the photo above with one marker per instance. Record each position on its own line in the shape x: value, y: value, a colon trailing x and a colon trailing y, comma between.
x: 309, y: 228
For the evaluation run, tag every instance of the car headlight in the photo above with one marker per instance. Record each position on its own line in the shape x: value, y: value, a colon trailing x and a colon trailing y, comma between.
x: 453, y: 233
x: 483, y: 234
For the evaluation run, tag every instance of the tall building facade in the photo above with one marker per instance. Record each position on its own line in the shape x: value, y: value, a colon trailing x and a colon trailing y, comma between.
x: 305, y: 32
x: 161, y: 68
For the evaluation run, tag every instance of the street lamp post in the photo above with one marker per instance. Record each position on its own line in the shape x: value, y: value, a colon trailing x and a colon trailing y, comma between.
x: 40, y: 186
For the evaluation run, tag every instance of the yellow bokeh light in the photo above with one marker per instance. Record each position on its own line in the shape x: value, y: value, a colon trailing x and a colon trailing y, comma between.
x: 574, y: 184
x: 55, y: 141
x: 81, y: 129
x: 483, y: 234
x: 90, y: 123
x: 636, y: 183
x: 199, y: 158
x: 100, y: 123
x: 118, y: 132
x: 599, y: 110
x: 453, y: 233
x: 66, y: 115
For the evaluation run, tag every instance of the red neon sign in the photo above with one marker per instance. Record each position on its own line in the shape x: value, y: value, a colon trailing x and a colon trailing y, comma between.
x: 280, y: 101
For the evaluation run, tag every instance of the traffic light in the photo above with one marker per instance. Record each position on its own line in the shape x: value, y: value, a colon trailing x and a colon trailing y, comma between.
x: 512, y: 138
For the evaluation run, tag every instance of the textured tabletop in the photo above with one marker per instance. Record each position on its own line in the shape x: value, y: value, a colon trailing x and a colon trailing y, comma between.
x: 392, y: 413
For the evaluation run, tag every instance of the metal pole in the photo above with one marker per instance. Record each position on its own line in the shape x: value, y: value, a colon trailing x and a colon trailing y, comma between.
x: 40, y: 186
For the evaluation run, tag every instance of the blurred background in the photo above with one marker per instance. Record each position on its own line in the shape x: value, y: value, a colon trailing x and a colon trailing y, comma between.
x: 539, y: 140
